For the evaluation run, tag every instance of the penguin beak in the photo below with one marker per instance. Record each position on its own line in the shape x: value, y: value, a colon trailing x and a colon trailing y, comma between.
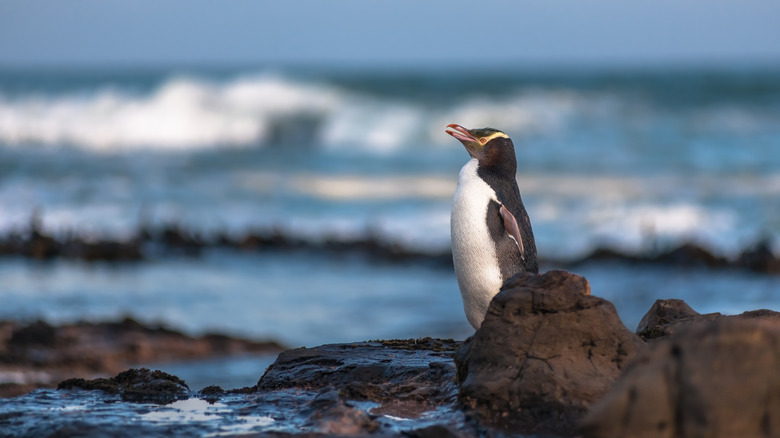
x: 472, y: 145
x: 461, y: 133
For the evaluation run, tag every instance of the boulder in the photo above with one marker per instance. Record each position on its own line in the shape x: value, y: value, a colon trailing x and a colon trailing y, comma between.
x: 135, y: 385
x: 713, y: 379
x: 669, y: 317
x: 404, y: 377
x: 546, y: 350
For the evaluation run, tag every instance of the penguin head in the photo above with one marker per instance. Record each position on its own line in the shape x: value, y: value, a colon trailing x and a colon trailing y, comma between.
x: 489, y: 146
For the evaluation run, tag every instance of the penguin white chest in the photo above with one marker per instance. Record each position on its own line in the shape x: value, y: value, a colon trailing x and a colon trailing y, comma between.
x: 473, y: 250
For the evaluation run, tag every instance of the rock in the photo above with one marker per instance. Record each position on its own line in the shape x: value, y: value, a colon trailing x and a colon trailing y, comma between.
x: 40, y: 355
x: 664, y: 317
x: 668, y: 317
x: 39, y: 333
x: 332, y: 416
x: 435, y: 431
x: 690, y: 254
x: 405, y: 377
x: 136, y: 385
x: 760, y: 258
x: 380, y: 388
x: 546, y: 350
x: 713, y: 379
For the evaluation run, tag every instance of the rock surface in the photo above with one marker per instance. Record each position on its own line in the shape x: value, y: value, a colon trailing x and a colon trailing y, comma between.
x: 39, y: 354
x: 405, y: 377
x: 712, y: 379
x: 669, y: 317
x: 136, y: 385
x: 546, y: 350
x: 382, y: 388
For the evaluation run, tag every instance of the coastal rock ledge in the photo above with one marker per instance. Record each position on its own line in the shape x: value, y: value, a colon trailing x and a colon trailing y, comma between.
x: 549, y: 360
x: 546, y: 351
x: 703, y: 376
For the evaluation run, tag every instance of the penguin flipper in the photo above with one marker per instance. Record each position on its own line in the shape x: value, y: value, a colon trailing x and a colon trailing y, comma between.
x: 510, y: 224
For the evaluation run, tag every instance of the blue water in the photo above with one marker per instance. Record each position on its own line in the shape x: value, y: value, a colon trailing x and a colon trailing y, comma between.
x: 629, y: 159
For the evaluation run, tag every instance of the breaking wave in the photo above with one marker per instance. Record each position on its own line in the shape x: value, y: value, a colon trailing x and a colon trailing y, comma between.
x: 185, y: 112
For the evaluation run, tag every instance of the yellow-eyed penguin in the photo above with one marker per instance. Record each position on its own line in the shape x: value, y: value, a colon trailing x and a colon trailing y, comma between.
x: 492, y: 237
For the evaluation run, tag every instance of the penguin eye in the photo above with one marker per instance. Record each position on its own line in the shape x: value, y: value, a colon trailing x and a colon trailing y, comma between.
x: 482, y: 140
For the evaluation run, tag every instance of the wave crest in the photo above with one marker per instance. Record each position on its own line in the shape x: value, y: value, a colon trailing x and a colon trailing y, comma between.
x: 190, y: 113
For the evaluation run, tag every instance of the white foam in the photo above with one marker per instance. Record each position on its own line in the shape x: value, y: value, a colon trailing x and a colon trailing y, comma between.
x: 570, y: 214
x: 185, y: 113
x: 631, y: 226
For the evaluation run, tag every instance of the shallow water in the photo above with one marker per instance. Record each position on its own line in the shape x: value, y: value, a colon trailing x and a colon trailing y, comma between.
x: 307, y: 299
x: 298, y: 299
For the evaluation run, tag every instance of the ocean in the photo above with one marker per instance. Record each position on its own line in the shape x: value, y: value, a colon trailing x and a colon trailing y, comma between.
x: 632, y: 160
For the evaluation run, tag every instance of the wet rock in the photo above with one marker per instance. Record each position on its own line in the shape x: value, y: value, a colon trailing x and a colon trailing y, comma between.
x: 379, y: 388
x: 332, y: 416
x: 435, y: 431
x: 546, y: 350
x: 135, y: 385
x: 713, y: 379
x: 406, y: 377
x: 39, y: 354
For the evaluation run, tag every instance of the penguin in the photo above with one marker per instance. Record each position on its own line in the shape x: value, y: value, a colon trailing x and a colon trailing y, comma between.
x: 491, y: 232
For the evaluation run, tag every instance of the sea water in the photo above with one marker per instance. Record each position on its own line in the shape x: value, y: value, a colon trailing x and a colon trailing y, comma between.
x: 628, y: 159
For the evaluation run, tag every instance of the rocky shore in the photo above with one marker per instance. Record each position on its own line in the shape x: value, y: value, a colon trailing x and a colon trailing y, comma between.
x: 39, y: 355
x: 176, y: 239
x: 549, y: 360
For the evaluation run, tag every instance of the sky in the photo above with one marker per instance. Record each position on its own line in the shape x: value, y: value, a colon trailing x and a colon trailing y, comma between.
x: 387, y: 33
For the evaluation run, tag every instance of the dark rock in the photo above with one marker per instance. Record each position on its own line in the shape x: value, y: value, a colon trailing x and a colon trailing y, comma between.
x: 668, y: 317
x: 690, y: 254
x: 663, y: 317
x: 713, y: 379
x: 760, y: 258
x: 609, y: 254
x: 135, y: 385
x: 403, y: 376
x: 381, y: 388
x: 89, y: 349
x: 330, y: 415
x: 42, y: 247
x: 212, y: 390
x: 178, y: 239
x: 106, y: 251
x: 546, y: 350
x: 211, y: 394
x: 435, y: 431
x: 39, y: 333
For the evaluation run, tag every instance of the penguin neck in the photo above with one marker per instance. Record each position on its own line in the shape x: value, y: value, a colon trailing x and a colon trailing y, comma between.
x: 503, y: 168
x: 498, y: 161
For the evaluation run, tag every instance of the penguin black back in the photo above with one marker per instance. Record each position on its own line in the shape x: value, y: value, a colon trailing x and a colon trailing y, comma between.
x: 498, y: 167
